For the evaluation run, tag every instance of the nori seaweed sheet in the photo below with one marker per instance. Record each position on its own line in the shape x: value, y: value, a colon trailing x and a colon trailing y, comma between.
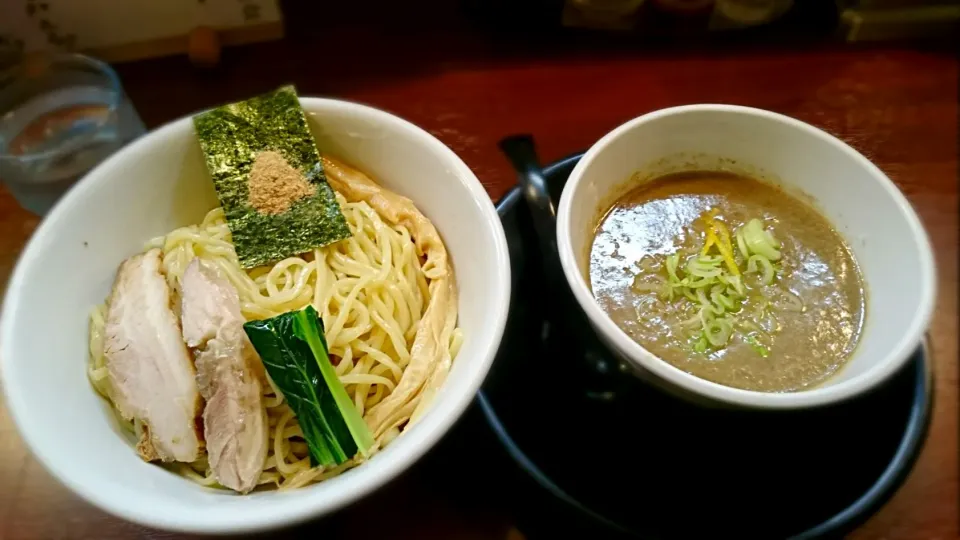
x: 231, y: 136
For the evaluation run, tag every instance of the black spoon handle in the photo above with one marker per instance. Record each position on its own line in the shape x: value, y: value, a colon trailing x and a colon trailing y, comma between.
x: 522, y: 153
x: 566, y: 316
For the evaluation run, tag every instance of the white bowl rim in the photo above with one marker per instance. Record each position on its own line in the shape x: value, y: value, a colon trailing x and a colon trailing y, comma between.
x: 306, y: 504
x: 834, y: 393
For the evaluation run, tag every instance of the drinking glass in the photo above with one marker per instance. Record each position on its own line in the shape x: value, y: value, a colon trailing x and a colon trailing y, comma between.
x: 59, y: 116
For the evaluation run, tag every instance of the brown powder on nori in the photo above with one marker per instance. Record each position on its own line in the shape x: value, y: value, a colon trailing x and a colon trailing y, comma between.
x: 274, y: 185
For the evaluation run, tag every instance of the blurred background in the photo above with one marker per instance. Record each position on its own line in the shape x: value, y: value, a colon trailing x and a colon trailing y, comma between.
x: 63, y: 115
x: 124, y: 30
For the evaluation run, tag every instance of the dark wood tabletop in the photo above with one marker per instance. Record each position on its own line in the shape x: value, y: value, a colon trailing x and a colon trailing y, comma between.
x: 895, y: 104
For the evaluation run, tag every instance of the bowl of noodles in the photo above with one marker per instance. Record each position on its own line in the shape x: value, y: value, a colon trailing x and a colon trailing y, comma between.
x: 165, y: 365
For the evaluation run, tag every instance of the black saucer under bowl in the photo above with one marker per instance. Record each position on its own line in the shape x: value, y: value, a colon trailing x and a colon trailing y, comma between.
x: 646, y: 465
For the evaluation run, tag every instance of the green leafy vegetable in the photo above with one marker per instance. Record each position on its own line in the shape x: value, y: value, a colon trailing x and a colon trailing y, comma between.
x: 294, y: 351
x: 232, y: 137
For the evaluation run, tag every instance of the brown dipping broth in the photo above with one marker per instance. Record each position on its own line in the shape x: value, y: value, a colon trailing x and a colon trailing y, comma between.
x: 660, y: 217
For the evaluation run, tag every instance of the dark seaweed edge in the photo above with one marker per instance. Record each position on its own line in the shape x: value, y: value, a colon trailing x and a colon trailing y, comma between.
x: 230, y: 137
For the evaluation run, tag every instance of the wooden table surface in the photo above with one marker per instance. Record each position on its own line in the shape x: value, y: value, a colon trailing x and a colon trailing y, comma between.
x: 897, y: 105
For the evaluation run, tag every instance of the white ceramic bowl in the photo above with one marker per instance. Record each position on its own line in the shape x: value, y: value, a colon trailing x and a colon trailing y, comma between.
x: 159, y: 183
x: 863, y: 204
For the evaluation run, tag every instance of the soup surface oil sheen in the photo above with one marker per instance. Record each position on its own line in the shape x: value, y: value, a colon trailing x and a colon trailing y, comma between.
x: 811, y: 316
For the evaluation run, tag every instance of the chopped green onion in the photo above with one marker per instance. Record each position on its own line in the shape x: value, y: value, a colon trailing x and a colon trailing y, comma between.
x: 666, y: 293
x: 756, y: 346
x: 672, y: 262
x: 704, y: 266
x: 710, y: 278
x: 722, y: 300
x: 702, y: 282
x: 759, y: 241
x: 700, y: 345
x: 702, y: 272
x: 734, y: 281
x: 718, y: 332
x: 772, y: 239
x: 752, y: 263
x: 742, y: 245
x: 706, y: 305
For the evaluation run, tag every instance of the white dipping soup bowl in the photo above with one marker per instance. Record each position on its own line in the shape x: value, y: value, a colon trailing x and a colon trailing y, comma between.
x: 159, y: 183
x: 865, y: 207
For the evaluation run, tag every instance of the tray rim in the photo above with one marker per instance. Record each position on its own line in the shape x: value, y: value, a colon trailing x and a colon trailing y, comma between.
x: 844, y: 521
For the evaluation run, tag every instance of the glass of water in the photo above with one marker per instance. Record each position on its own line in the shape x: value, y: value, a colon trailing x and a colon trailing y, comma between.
x: 59, y: 117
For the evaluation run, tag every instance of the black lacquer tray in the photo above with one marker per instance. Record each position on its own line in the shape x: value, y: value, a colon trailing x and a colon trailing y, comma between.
x: 646, y: 465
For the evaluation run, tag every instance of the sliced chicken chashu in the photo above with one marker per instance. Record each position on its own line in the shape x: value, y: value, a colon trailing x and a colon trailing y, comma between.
x: 151, y: 372
x: 234, y: 418
x: 430, y: 354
